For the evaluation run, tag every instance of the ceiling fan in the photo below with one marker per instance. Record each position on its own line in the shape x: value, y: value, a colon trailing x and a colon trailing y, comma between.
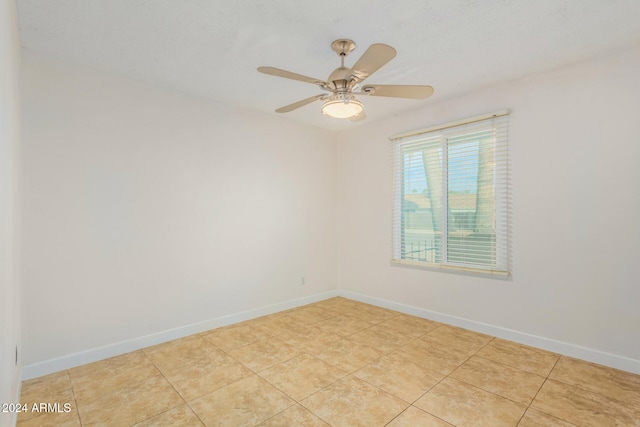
x: 341, y: 102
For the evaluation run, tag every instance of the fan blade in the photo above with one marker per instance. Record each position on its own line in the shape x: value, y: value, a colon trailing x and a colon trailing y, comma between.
x: 372, y: 60
x: 289, y: 75
x: 299, y: 104
x: 359, y: 117
x: 399, y: 91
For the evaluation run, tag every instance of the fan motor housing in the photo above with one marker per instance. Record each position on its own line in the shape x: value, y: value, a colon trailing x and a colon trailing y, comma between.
x: 339, y: 78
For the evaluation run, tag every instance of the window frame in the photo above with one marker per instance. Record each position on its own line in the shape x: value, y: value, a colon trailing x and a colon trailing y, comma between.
x: 497, y: 122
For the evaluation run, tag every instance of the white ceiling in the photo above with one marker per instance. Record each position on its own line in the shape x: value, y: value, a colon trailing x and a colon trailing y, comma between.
x: 211, y: 48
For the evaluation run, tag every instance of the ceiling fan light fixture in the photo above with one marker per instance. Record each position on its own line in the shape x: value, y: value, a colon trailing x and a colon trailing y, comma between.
x: 343, y: 81
x: 342, y: 108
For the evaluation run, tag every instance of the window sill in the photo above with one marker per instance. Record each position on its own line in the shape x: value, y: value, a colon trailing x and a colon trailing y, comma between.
x: 479, y: 272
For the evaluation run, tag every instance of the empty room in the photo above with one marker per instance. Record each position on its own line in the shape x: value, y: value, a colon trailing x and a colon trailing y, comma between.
x: 279, y: 213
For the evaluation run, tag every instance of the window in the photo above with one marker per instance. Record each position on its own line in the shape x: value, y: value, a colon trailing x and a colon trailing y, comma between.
x: 451, y: 196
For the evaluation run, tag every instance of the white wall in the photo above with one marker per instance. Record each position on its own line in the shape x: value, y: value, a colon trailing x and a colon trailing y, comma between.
x: 146, y: 210
x: 575, y: 157
x: 9, y: 206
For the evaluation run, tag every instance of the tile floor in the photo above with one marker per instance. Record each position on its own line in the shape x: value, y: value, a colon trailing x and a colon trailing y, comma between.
x: 341, y: 363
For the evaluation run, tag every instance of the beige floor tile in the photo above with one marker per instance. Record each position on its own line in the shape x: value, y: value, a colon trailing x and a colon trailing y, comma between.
x: 431, y: 356
x: 370, y: 313
x: 52, y: 419
x: 293, y: 328
x: 272, y: 325
x: 381, y: 338
x: 263, y: 354
x: 399, y: 377
x: 130, y: 404
x: 310, y: 314
x: 244, y: 403
x: 457, y: 339
x: 171, y: 355
x: 343, y: 325
x: 234, y: 337
x: 348, y: 355
x: 35, y: 414
x: 533, y: 418
x: 583, y: 407
x: 276, y: 325
x: 380, y: 311
x: 49, y: 388
x: 294, y: 416
x: 337, y: 304
x: 523, y: 357
x: 620, y: 385
x: 352, y: 402
x: 414, y: 417
x: 464, y: 405
x: 301, y: 376
x: 105, y: 376
x: 312, y: 340
x: 47, y: 384
x: 412, y: 325
x: 181, y: 416
x: 203, y: 376
x: 512, y: 383
x: 352, y: 304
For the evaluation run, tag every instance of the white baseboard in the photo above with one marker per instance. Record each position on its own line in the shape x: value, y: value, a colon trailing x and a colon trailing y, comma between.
x: 93, y: 355
x: 567, y: 349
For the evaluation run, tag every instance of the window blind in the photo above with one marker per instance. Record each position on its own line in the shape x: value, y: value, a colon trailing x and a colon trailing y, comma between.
x: 451, y: 196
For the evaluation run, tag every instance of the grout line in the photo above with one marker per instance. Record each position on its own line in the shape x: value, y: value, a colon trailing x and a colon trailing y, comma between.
x: 168, y: 382
x: 277, y: 413
x: 537, y: 392
x: 401, y: 412
x: 75, y: 400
